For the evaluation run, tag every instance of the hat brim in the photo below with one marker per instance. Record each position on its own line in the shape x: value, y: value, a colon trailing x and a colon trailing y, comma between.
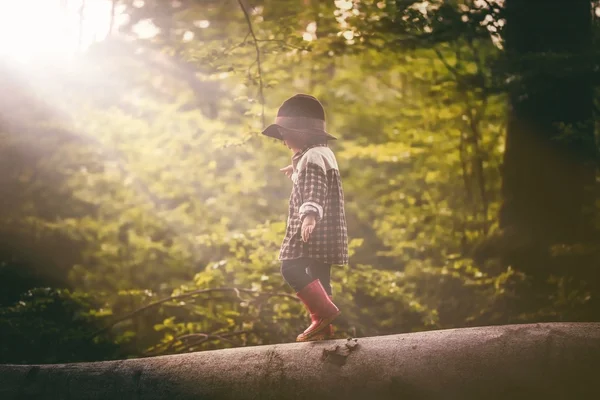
x: 274, y: 131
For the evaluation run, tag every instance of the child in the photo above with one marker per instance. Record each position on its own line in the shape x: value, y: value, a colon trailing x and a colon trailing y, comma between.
x: 316, y: 235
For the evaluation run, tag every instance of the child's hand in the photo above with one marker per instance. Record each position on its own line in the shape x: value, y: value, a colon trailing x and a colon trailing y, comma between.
x: 308, y: 224
x: 288, y: 171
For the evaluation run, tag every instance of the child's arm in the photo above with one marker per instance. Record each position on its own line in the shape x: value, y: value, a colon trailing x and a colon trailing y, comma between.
x: 312, y: 182
x: 288, y: 171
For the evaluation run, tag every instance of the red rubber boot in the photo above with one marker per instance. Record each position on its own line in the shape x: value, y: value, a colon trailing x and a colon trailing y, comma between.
x: 325, y: 334
x: 321, y: 308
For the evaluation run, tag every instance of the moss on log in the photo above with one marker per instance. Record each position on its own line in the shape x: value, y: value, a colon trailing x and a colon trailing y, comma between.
x: 539, y: 361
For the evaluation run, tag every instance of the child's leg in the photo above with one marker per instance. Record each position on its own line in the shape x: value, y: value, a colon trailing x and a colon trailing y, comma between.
x: 312, y: 293
x: 294, y: 273
x: 321, y: 271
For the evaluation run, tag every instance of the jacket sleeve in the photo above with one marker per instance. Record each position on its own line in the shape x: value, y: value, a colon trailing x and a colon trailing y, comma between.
x: 312, y: 183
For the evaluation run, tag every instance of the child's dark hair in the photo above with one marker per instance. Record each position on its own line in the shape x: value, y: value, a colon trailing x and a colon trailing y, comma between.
x: 314, y: 139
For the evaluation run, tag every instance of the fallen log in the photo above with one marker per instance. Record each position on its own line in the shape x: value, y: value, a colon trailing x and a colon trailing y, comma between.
x: 537, y: 361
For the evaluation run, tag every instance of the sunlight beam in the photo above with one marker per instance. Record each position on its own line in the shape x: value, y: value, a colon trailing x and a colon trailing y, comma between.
x: 59, y: 28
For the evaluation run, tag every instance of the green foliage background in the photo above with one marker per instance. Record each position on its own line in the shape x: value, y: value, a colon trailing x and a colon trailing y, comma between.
x: 139, y: 174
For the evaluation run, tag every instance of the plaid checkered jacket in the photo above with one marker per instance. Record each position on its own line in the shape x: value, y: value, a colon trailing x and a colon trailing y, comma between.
x: 317, y: 189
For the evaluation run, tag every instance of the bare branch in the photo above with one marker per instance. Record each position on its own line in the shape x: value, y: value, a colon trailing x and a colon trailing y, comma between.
x: 450, y: 68
x: 283, y: 43
x: 113, y: 9
x: 475, y: 119
x: 81, y: 18
x: 481, y: 78
x: 279, y: 41
x: 188, y: 295
x: 203, y: 337
x: 237, y: 45
x: 258, y: 61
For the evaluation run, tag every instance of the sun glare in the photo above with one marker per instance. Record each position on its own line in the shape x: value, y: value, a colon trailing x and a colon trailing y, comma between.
x: 46, y: 28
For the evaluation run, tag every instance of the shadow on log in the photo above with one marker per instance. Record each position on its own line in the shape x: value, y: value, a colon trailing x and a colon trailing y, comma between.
x: 541, y: 361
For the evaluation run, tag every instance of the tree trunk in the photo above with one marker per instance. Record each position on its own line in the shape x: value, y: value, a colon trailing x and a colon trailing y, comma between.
x: 542, y: 361
x: 547, y: 233
x: 549, y: 164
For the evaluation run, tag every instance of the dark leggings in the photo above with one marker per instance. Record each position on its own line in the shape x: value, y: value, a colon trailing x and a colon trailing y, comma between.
x: 300, y: 272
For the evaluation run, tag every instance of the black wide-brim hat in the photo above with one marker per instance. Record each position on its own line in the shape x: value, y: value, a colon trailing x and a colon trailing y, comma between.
x: 301, y: 113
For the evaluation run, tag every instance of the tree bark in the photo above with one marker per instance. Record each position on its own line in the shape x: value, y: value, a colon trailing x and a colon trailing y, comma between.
x: 547, y: 233
x: 541, y: 361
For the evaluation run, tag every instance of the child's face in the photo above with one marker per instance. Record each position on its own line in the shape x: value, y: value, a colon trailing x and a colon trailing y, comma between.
x: 294, y: 141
